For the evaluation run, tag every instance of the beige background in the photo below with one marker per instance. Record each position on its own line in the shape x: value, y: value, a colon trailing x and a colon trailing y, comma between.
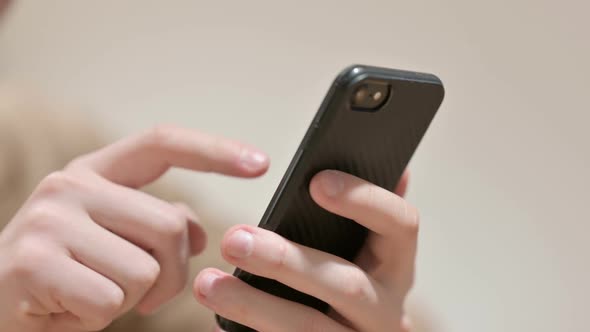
x: 501, y: 178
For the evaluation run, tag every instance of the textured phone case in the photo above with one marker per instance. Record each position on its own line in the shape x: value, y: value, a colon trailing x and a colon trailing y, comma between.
x: 373, y: 145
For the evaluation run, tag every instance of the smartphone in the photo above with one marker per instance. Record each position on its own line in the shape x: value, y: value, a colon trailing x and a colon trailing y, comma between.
x: 369, y: 125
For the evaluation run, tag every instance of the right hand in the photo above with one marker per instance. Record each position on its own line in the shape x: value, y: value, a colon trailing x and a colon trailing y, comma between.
x: 87, y: 246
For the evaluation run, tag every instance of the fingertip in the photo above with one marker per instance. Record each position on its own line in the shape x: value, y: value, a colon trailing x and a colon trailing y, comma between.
x: 253, y: 162
x: 327, y: 184
x: 227, y: 236
x: 247, y: 228
x: 314, y: 189
x: 196, y: 233
x: 205, y: 281
x: 237, y: 243
x: 198, y: 239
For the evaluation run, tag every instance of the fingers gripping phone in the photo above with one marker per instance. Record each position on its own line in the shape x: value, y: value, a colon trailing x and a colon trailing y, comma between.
x: 369, y: 125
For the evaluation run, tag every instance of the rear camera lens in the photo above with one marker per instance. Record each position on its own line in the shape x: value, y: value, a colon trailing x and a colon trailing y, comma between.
x: 361, y: 95
x: 370, y: 96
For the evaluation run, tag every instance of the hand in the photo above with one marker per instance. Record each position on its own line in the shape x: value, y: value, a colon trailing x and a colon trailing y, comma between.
x: 87, y: 246
x: 367, y: 295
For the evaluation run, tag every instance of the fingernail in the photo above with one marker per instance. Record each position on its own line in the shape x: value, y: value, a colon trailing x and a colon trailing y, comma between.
x: 253, y: 160
x: 331, y: 183
x: 206, y: 284
x: 240, y: 244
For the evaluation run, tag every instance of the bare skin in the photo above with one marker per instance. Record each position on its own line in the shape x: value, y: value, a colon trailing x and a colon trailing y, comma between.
x: 87, y: 246
x: 366, y: 295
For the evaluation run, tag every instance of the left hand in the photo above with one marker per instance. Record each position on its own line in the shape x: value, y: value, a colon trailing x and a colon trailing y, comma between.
x: 367, y: 295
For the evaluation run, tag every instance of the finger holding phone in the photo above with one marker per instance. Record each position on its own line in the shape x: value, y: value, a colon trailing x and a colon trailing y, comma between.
x: 365, y: 295
x: 335, y: 249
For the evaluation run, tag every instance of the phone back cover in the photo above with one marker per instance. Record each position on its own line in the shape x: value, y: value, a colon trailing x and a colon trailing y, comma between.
x: 375, y: 146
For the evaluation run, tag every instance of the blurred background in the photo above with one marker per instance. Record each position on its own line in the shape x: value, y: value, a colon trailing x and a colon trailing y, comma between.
x: 501, y: 177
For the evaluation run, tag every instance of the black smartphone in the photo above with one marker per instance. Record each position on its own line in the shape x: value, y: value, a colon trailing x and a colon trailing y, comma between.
x: 369, y: 125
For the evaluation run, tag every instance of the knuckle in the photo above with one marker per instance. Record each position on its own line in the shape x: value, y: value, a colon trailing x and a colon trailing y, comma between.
x: 404, y: 218
x: 278, y: 263
x: 44, y: 217
x: 175, y: 224
x: 30, y: 256
x: 56, y: 183
x: 146, y: 276
x: 158, y: 135
x: 371, y: 195
x: 76, y: 163
x: 42, y: 210
x: 110, y: 306
x: 218, y: 143
x: 354, y: 285
x: 411, y: 220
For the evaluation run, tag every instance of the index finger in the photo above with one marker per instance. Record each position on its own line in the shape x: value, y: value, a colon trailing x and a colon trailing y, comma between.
x: 141, y: 159
x: 376, y: 208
